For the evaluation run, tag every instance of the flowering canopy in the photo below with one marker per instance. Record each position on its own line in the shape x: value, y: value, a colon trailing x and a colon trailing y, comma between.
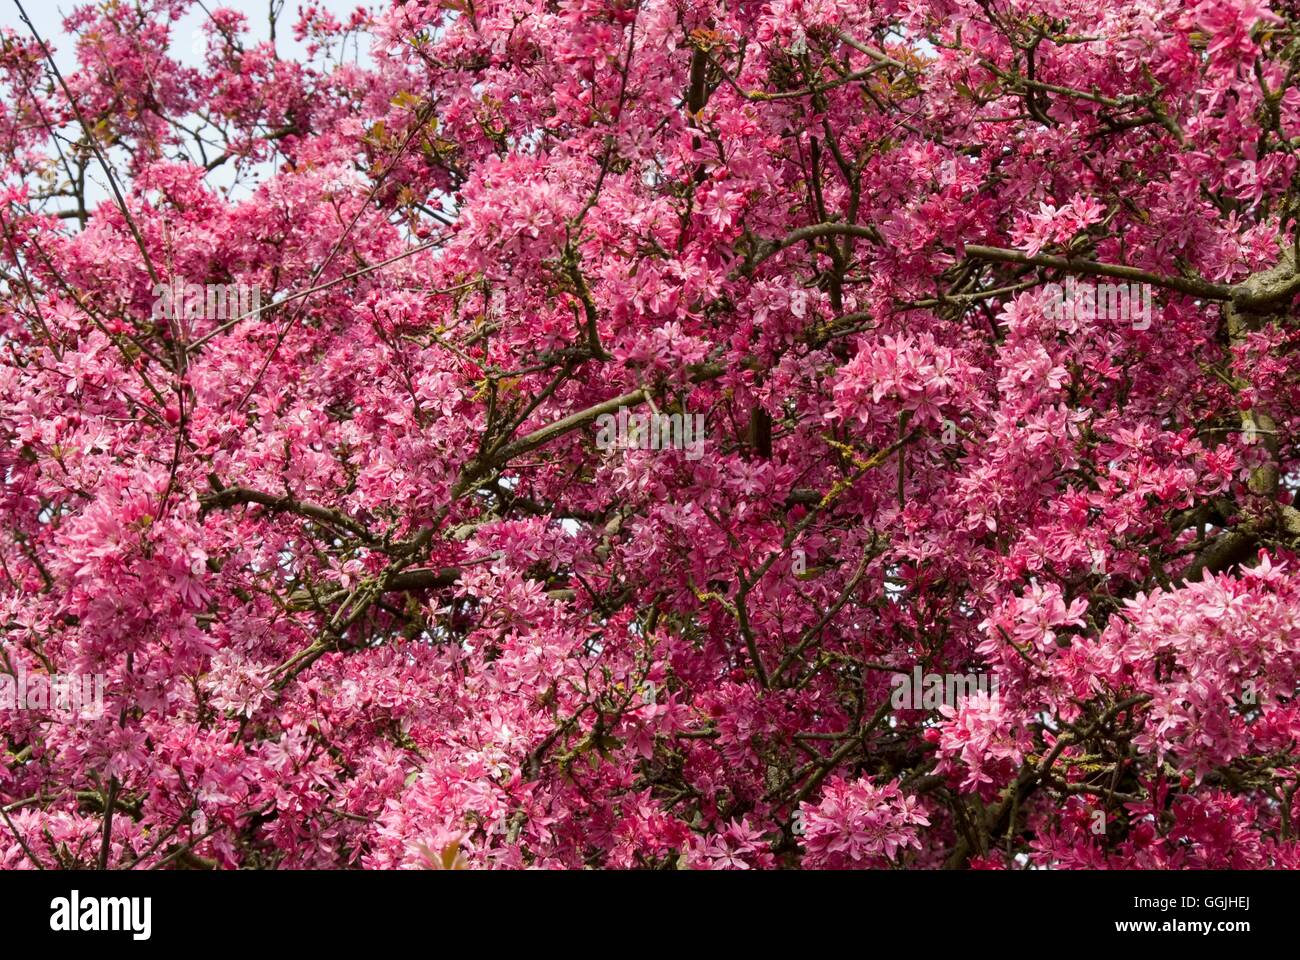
x: 364, y: 590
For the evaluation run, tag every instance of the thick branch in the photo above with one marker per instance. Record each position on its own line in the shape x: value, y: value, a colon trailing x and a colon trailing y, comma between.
x: 1092, y: 268
x: 232, y: 496
x: 476, y: 469
x: 813, y: 232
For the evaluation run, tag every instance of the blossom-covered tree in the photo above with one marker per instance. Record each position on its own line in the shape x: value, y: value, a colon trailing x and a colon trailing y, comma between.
x: 362, y: 586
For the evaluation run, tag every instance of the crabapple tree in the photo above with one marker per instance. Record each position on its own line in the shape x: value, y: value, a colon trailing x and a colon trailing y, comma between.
x: 364, y: 589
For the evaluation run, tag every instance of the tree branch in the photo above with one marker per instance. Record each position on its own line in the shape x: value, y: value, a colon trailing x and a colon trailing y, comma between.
x: 1192, y: 287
